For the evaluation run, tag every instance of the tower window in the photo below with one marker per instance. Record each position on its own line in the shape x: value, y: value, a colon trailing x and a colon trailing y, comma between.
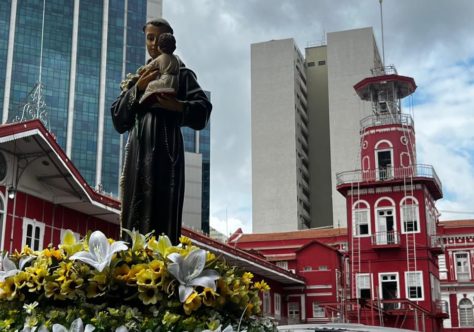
x: 361, y: 222
x: 414, y: 283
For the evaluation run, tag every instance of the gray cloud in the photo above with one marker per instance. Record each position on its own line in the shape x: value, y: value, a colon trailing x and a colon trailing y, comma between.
x: 424, y: 38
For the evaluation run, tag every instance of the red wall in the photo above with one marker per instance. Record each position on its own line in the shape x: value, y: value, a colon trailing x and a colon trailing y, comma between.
x: 55, y: 218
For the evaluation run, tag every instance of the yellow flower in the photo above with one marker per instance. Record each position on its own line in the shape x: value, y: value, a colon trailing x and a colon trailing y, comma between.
x: 69, y: 287
x: 38, y: 273
x: 247, y: 278
x: 210, y: 257
x: 261, y: 286
x: 50, y: 252
x: 149, y: 295
x: 8, y: 290
x: 157, y: 267
x: 21, y: 279
x: 170, y: 319
x: 52, y: 289
x: 192, y: 303
x: 147, y: 278
x: 132, y: 274
x: 64, y: 270
x: 185, y: 240
x: 121, y: 272
x: 208, y: 296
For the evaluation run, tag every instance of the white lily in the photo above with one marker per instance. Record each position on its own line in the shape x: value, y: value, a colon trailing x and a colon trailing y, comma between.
x: 76, y: 326
x: 189, y: 271
x: 100, y: 251
x: 9, y: 269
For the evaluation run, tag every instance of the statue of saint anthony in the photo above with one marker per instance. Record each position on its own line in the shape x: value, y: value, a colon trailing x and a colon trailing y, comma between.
x: 152, y: 181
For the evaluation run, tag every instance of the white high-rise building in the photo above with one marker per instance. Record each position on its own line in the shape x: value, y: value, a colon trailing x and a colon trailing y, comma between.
x: 309, y: 100
x: 280, y: 182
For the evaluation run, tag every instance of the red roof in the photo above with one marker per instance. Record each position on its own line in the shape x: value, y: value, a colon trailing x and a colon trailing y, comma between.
x: 32, y: 138
x: 456, y: 223
x: 243, y: 259
x: 293, y: 235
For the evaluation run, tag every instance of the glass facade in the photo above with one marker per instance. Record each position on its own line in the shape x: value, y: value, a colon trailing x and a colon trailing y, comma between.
x: 86, y: 102
x: 5, y: 7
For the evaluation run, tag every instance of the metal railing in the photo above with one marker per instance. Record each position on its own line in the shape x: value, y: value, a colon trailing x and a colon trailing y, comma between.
x: 442, y: 307
x: 385, y: 238
x: 386, y: 119
x: 437, y: 242
x: 388, y: 173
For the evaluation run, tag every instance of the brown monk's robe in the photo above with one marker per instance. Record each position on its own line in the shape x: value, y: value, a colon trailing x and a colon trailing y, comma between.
x: 152, y: 180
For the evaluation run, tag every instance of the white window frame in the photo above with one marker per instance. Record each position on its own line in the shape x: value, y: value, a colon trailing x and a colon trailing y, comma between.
x: 318, y: 311
x: 419, y: 281
x: 277, y: 305
x: 468, y: 309
x: 383, y: 237
x: 468, y: 259
x: 389, y: 174
x: 357, y: 223
x: 266, y: 303
x: 294, y: 310
x: 442, y: 267
x: 416, y: 214
x: 37, y: 226
x: 381, y: 281
x: 282, y: 264
x: 366, y: 282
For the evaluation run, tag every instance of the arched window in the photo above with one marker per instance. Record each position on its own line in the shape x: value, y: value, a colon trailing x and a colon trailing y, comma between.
x: 410, y: 215
x: 361, y: 219
x: 384, y: 159
x: 385, y: 225
x: 466, y: 317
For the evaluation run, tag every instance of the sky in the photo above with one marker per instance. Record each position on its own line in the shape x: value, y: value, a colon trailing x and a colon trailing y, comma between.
x: 429, y: 40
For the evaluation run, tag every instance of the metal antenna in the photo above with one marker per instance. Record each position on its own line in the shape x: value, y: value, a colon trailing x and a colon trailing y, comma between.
x: 381, y: 23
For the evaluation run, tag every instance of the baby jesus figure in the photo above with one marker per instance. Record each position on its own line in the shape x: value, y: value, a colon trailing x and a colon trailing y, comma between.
x: 168, y: 67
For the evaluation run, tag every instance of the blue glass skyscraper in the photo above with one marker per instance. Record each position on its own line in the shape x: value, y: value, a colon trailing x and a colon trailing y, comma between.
x: 80, y: 52
x: 87, y: 46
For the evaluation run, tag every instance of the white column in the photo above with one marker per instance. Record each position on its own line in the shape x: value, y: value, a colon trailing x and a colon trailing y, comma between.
x: 72, y: 80
x: 102, y: 89
x: 8, y: 76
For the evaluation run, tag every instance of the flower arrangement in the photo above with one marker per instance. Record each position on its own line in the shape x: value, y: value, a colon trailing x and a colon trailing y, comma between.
x: 98, y: 284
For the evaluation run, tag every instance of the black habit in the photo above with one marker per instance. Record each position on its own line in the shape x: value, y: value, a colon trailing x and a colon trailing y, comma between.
x: 152, y: 180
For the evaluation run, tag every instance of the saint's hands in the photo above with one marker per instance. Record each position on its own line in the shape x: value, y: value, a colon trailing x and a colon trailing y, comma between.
x: 169, y: 102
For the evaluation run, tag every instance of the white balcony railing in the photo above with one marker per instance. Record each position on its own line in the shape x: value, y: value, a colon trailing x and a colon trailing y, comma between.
x: 386, y: 119
x: 385, y: 238
x: 388, y: 173
x: 442, y: 307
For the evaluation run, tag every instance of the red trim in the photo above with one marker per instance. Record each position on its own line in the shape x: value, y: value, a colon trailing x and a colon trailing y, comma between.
x: 377, y: 79
x: 15, y: 128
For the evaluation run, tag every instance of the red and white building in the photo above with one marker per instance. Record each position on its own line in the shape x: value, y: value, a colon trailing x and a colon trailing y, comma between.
x: 456, y: 273
x: 395, y: 265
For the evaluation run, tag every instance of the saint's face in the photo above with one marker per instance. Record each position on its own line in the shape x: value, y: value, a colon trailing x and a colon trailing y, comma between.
x: 152, y: 33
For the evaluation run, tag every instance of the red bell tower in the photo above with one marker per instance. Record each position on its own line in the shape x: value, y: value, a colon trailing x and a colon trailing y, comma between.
x: 392, y: 216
